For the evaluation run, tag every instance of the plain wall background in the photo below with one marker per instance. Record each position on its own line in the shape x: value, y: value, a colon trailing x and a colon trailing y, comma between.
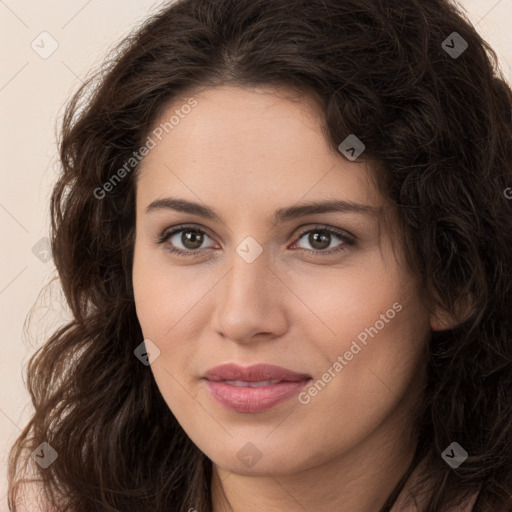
x: 33, y: 92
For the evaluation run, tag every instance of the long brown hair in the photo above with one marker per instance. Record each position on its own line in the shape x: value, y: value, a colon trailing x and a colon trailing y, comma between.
x: 435, y: 115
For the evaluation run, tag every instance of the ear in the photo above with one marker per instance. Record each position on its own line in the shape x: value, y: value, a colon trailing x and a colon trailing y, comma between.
x: 441, y: 319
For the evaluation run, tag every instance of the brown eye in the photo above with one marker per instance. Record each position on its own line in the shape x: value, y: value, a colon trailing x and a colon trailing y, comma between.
x: 191, y: 239
x: 184, y: 241
x: 320, y: 240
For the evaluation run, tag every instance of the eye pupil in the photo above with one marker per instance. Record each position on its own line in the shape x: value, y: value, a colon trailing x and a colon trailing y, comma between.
x: 194, y: 237
x: 317, y: 238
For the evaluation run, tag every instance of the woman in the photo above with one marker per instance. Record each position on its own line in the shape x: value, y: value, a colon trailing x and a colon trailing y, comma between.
x: 284, y: 232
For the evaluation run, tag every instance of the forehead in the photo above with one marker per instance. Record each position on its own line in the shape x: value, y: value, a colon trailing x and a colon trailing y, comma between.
x: 259, y: 145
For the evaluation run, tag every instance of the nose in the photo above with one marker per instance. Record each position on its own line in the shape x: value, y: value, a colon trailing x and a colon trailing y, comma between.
x: 251, y: 301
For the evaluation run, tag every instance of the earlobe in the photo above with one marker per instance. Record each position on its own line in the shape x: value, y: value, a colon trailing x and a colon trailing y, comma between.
x: 441, y: 319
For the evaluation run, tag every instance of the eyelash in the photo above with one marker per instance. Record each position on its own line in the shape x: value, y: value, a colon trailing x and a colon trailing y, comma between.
x: 349, y: 240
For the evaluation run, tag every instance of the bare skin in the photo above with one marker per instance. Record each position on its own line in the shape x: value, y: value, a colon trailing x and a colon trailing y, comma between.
x: 246, y: 153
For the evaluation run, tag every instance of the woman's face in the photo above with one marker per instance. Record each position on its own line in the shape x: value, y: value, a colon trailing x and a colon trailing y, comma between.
x: 263, y: 283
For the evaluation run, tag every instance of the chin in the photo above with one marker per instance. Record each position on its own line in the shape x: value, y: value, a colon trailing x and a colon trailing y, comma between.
x: 261, y: 455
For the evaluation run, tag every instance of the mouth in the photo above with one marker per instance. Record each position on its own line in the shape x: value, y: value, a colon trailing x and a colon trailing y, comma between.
x: 255, y: 388
x: 258, y: 384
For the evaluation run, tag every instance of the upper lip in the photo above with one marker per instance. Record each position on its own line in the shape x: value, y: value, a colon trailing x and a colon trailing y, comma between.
x: 254, y: 373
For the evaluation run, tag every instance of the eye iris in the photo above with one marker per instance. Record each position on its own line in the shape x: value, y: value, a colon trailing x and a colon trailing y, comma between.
x: 318, y: 238
x: 193, y: 237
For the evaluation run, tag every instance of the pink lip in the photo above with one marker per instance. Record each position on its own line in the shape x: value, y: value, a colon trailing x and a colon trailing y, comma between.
x: 253, y: 399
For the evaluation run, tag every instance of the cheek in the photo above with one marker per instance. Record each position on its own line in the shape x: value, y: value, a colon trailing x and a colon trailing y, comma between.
x: 370, y: 331
x: 343, y: 302
x: 162, y: 294
x: 169, y: 304
x: 377, y: 329
x: 164, y: 301
x: 368, y: 362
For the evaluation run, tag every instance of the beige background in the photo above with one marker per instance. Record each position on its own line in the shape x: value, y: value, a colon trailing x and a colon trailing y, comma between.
x: 33, y: 91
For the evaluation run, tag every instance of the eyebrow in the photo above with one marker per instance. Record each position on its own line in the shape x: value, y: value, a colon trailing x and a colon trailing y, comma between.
x: 281, y: 215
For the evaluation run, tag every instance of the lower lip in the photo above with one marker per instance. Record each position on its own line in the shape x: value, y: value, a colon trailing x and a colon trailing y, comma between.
x: 246, y: 399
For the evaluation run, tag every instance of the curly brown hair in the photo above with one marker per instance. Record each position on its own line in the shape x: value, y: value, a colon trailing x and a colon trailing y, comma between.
x: 440, y: 127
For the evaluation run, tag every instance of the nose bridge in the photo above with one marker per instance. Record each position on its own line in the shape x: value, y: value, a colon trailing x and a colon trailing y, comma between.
x: 247, y: 305
x: 247, y: 281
